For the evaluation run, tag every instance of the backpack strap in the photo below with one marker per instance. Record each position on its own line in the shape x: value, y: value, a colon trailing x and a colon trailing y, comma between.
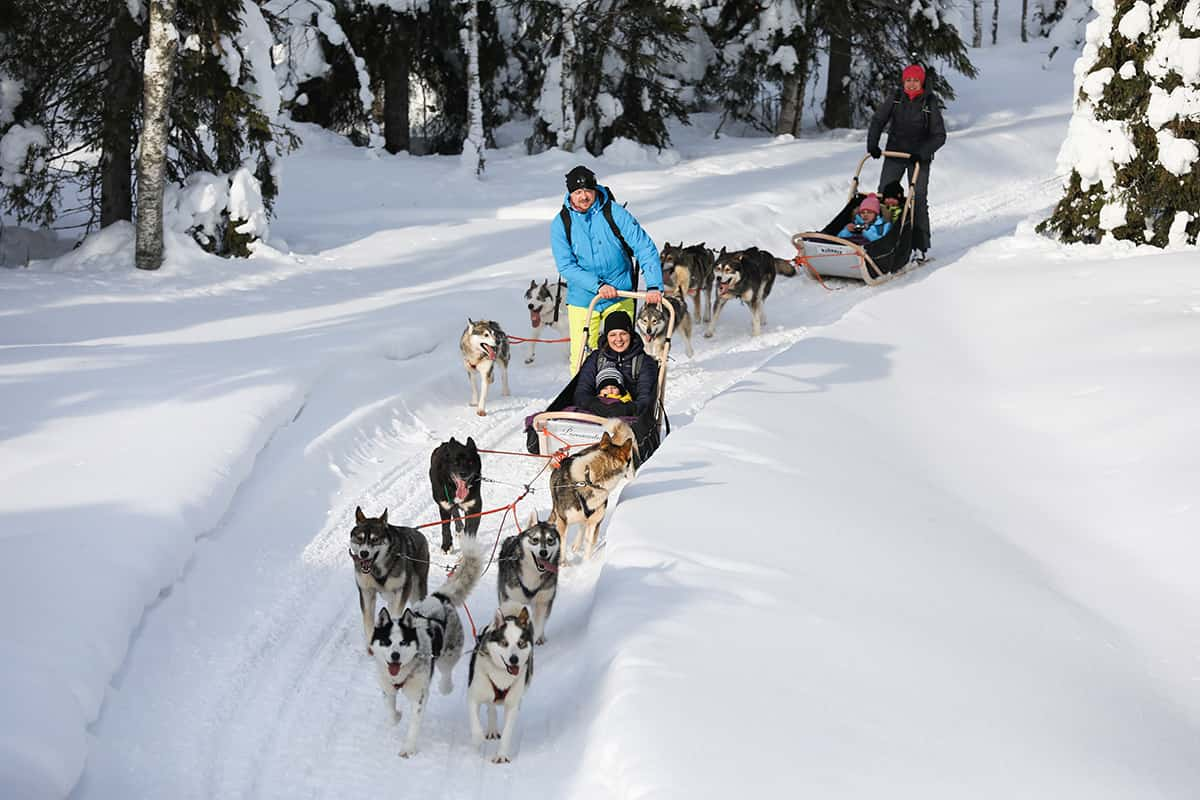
x: 636, y: 367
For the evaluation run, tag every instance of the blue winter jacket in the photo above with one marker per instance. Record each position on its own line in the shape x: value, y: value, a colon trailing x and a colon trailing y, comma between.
x: 595, y: 256
x: 879, y: 228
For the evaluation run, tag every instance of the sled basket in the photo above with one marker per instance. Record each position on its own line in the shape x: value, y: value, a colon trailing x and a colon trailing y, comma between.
x: 824, y: 254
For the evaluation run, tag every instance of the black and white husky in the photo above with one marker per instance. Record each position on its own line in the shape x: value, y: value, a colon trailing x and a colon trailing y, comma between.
x: 528, y: 574
x: 500, y: 669
x: 455, y: 478
x: 428, y: 635
x: 388, y: 559
x: 484, y: 345
x: 547, y: 309
x: 653, y: 320
x: 747, y: 275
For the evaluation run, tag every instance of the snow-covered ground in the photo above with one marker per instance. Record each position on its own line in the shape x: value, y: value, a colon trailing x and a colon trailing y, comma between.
x: 929, y: 540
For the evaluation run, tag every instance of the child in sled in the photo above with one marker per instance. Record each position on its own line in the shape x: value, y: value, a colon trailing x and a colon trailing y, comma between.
x: 893, y: 202
x: 868, y: 224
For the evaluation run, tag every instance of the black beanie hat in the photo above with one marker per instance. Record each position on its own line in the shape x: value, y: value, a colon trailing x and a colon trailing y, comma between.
x: 581, y: 178
x: 893, y: 189
x: 618, y: 321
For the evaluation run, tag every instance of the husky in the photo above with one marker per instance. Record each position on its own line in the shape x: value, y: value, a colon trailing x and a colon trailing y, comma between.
x: 747, y: 275
x: 388, y: 559
x: 499, y: 672
x: 528, y: 574
x: 484, y: 345
x: 455, y: 477
x: 547, y: 309
x: 652, y: 321
x: 428, y: 635
x: 581, y: 484
x: 689, y: 270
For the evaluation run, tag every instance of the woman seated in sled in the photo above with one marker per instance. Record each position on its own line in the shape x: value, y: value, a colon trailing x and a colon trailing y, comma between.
x: 868, y: 225
x: 619, y: 379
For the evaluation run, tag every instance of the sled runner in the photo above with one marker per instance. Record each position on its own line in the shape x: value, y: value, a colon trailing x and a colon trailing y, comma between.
x: 824, y: 254
x: 562, y: 423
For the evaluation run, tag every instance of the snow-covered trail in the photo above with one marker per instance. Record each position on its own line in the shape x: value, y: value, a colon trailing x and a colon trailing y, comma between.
x: 247, y: 678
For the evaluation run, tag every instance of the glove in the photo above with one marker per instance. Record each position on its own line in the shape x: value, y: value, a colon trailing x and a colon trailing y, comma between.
x: 914, y: 159
x: 875, y: 151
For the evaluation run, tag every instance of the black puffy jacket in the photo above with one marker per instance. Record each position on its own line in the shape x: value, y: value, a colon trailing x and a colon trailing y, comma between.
x: 914, y: 126
x: 643, y: 389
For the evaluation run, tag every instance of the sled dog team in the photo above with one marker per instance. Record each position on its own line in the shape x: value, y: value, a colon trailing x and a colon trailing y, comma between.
x: 710, y: 278
x: 416, y: 633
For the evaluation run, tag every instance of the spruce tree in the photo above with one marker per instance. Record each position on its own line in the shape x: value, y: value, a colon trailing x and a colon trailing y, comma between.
x: 765, y: 53
x: 1131, y: 151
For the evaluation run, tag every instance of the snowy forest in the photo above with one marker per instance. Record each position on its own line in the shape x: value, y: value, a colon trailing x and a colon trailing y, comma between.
x: 193, y: 100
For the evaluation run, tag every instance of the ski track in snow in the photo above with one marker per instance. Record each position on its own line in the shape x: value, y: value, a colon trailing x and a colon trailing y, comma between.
x: 282, y: 700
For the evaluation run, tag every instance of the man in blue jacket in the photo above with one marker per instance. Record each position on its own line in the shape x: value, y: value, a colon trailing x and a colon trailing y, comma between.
x: 594, y: 241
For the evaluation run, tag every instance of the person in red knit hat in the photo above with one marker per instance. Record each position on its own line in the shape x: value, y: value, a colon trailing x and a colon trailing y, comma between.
x: 914, y: 122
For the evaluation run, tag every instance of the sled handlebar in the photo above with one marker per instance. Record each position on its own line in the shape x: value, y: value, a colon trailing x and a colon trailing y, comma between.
x: 886, y: 154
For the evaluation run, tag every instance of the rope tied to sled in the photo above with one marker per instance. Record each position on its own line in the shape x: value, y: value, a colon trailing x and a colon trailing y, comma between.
x: 522, y: 340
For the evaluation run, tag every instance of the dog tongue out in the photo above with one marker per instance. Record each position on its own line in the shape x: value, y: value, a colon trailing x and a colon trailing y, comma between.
x: 393, y: 668
x: 513, y: 669
x: 460, y: 489
x: 535, y: 319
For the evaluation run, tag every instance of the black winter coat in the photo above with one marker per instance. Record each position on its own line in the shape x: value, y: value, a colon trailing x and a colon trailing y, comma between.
x: 643, y: 391
x: 916, y: 126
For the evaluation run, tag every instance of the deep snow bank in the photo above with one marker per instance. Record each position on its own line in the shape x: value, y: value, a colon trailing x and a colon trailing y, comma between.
x: 941, y: 548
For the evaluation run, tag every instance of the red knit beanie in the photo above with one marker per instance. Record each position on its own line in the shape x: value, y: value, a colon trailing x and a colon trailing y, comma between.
x: 914, y: 71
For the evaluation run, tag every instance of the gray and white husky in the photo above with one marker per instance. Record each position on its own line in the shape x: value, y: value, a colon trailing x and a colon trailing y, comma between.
x: 484, y: 345
x: 747, y: 275
x: 547, y: 309
x: 428, y: 635
x: 500, y: 669
x: 652, y: 322
x: 528, y: 573
x: 388, y: 559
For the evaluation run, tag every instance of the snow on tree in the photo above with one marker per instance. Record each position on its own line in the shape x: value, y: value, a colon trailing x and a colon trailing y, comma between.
x: 764, y: 55
x: 157, y: 75
x: 1131, y: 153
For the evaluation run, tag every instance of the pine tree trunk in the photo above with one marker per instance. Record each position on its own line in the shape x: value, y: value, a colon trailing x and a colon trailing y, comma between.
x: 1024, y: 18
x: 995, y: 19
x: 977, y: 18
x: 396, y: 74
x: 474, y: 144
x: 157, y: 72
x: 566, y: 134
x: 837, y: 90
x: 116, y: 136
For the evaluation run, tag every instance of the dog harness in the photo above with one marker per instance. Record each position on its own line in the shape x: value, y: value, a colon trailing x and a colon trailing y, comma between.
x: 499, y: 694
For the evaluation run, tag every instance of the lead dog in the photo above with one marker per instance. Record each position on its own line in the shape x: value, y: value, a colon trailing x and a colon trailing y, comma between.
x: 653, y: 320
x: 455, y: 477
x: 426, y: 636
x: 747, y: 275
x: 499, y: 672
x: 528, y: 572
x: 547, y: 309
x: 388, y: 559
x: 483, y: 345
x: 581, y: 484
